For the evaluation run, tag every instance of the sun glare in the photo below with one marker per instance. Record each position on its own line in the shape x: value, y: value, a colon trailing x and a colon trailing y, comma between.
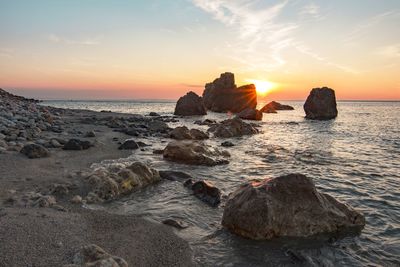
x: 263, y: 87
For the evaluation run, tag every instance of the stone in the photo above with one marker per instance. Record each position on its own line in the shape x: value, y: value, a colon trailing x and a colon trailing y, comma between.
x: 190, y: 105
x: 287, y: 206
x: 94, y: 256
x: 76, y: 199
x: 76, y: 144
x: 194, y: 153
x: 174, y: 223
x: 250, y: 114
x: 154, y: 114
x: 90, y: 134
x: 34, y: 151
x: 273, y: 105
x: 222, y: 95
x: 174, y: 175
x: 182, y: 133
x: 232, y: 128
x: 268, y: 109
x: 207, y: 192
x: 227, y: 144
x: 158, y: 126
x: 45, y: 201
x: 321, y: 104
x: 129, y: 144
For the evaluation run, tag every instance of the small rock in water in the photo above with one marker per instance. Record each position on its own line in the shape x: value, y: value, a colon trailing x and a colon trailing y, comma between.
x: 227, y: 144
x: 129, y: 144
x: 206, y: 192
x: 175, y: 223
x: 250, y: 114
x: 154, y: 114
x: 76, y: 144
x: 158, y: 151
x: 174, y: 175
x: 90, y: 134
x: 34, y: 151
x: 76, y: 199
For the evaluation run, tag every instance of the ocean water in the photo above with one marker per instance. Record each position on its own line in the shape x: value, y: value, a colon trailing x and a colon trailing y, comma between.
x: 355, y: 158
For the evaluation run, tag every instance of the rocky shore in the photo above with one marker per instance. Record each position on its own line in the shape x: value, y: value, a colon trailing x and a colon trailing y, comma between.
x: 47, y: 180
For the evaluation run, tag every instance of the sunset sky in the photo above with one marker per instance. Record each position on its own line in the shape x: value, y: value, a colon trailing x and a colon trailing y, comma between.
x: 118, y: 49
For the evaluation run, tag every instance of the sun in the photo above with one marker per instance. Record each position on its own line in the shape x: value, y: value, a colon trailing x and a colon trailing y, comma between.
x: 263, y: 87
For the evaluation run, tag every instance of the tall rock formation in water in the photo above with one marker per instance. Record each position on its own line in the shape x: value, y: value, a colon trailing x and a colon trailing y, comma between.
x: 222, y: 95
x: 321, y: 104
x: 190, y: 105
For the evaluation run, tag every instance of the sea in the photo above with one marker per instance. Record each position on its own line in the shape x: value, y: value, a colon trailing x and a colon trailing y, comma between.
x: 355, y: 158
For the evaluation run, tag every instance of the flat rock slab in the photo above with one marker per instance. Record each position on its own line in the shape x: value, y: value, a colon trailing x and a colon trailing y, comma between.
x: 44, y: 237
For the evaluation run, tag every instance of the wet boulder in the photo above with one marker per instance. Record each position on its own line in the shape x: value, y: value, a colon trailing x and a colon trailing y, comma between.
x: 250, y: 114
x: 232, y: 128
x: 268, y: 109
x: 205, y: 191
x: 190, y: 105
x: 183, y: 133
x: 34, y: 151
x: 321, y: 104
x: 222, y: 95
x: 287, y: 206
x: 76, y: 144
x: 273, y: 105
x: 174, y: 175
x: 194, y: 153
x: 129, y: 144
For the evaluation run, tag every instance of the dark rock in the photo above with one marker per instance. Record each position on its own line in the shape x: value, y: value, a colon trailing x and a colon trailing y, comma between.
x: 34, y: 151
x: 287, y: 206
x: 93, y: 255
x: 154, y: 114
x: 250, y: 114
x: 232, y: 128
x: 321, y: 104
x: 158, y: 126
x: 227, y: 144
x: 182, y: 133
x: 76, y: 144
x: 207, y: 192
x: 175, y: 223
x: 174, y: 175
x: 142, y: 144
x: 268, y: 109
x: 194, y: 153
x: 129, y: 144
x: 222, y: 95
x: 158, y: 151
x: 90, y: 134
x: 273, y: 105
x: 205, y: 122
x: 190, y: 105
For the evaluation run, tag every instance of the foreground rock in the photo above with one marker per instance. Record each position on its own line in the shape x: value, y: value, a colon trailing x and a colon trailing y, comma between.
x: 93, y: 255
x: 321, y: 104
x: 232, y: 128
x: 182, y: 133
x: 287, y: 206
x: 194, y: 153
x: 174, y: 175
x: 190, y: 105
x: 129, y: 144
x: 34, y: 151
x: 107, y: 184
x: 250, y: 114
x: 273, y: 105
x: 222, y: 95
x: 205, y: 191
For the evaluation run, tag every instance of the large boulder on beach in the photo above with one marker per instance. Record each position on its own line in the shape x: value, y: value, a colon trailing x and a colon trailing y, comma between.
x: 232, y: 128
x: 190, y: 105
x: 34, y: 151
x: 287, y: 206
x: 222, y: 95
x: 183, y: 132
x: 194, y: 153
x: 321, y: 104
x: 273, y: 106
x: 250, y: 114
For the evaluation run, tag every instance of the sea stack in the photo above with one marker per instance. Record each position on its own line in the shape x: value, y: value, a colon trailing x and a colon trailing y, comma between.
x: 321, y: 104
x: 222, y: 95
x: 190, y: 105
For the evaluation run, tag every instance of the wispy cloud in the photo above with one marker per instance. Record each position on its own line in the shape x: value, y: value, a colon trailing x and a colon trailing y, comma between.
x: 311, y: 10
x: 257, y: 29
x: 63, y: 40
x: 6, y: 52
x: 389, y: 51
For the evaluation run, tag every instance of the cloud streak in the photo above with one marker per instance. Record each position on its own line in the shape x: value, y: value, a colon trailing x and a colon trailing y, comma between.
x: 62, y: 40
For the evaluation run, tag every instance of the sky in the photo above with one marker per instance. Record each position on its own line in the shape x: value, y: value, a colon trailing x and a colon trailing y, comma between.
x: 159, y: 49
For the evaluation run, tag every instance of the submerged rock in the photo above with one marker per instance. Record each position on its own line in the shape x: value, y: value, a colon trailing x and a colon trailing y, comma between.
x: 76, y: 144
x: 174, y: 175
x: 190, y: 105
x: 175, y: 223
x: 232, y: 128
x: 93, y: 255
x: 195, y: 153
x: 222, y: 95
x: 227, y: 144
x: 321, y: 104
x: 129, y: 144
x: 34, y: 151
x: 182, y: 133
x: 250, y: 114
x: 205, y: 191
x: 273, y: 105
x: 286, y: 206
